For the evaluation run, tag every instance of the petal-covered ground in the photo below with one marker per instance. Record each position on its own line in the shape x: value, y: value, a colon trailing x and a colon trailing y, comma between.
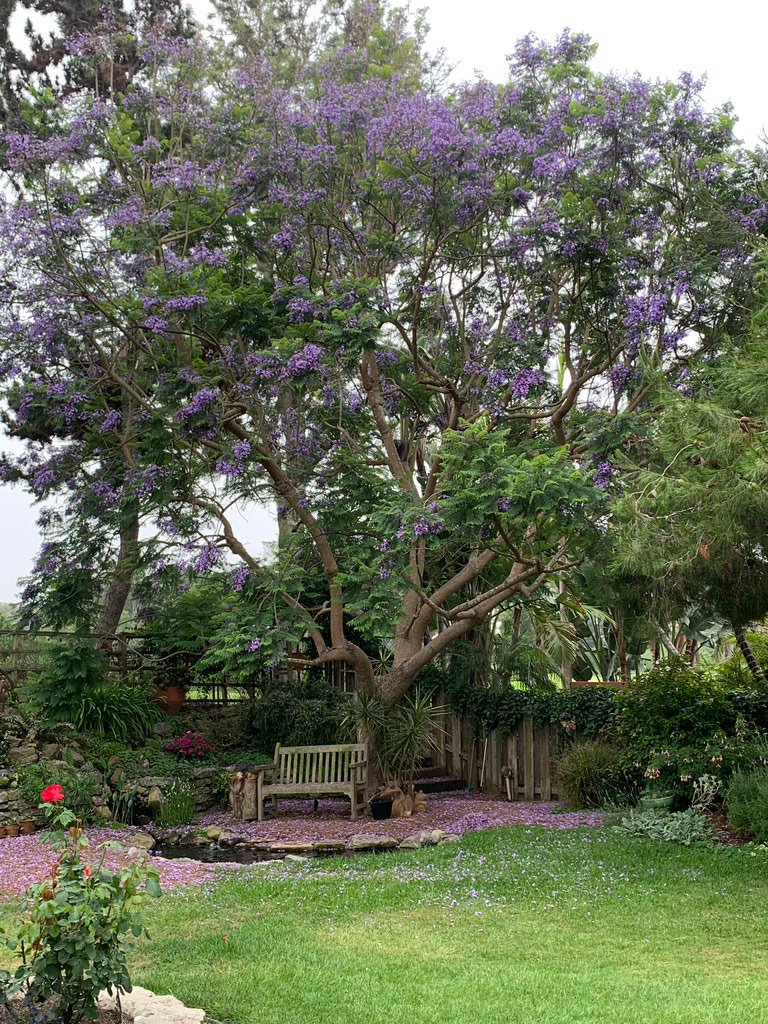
x: 298, y: 822
x: 25, y: 860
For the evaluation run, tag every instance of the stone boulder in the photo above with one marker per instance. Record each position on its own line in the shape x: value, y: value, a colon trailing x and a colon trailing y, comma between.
x: 372, y: 841
x: 144, y: 1007
x: 143, y: 840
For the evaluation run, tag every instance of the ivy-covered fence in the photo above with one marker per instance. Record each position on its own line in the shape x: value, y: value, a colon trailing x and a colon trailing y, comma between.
x: 509, y: 740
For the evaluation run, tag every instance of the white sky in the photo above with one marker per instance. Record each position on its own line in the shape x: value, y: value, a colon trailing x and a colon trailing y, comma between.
x: 724, y: 41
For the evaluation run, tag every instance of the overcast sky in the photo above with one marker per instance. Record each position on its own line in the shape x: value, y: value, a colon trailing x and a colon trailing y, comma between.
x: 724, y: 41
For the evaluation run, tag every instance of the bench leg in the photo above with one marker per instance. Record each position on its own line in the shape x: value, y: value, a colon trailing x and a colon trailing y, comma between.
x: 274, y: 805
x: 353, y: 801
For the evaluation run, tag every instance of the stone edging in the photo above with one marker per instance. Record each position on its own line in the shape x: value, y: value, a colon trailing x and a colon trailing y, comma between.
x: 358, y: 843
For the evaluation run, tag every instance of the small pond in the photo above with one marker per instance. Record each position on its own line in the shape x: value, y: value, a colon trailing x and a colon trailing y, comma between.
x: 212, y: 854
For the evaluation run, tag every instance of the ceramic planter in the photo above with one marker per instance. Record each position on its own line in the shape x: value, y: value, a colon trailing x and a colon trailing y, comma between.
x: 657, y: 803
x: 26, y: 827
x: 11, y: 830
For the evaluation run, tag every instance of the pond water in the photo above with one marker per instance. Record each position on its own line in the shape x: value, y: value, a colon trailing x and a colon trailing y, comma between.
x: 212, y: 854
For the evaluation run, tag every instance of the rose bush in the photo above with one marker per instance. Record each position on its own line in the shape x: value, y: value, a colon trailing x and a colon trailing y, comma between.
x: 75, y: 928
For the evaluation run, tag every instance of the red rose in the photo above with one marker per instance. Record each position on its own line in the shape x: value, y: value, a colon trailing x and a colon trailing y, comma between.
x: 51, y: 795
x: 87, y: 872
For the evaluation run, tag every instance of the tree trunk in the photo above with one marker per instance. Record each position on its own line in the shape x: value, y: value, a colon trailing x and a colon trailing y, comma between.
x: 749, y: 657
x: 119, y: 586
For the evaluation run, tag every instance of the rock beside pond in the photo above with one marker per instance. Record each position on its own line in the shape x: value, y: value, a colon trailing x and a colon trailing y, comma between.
x: 295, y: 858
x: 372, y: 841
x: 450, y: 837
x: 411, y: 842
x: 154, y: 798
x: 213, y: 832
x: 143, y: 840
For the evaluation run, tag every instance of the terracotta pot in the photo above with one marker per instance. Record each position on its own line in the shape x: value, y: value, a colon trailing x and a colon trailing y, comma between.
x: 2, y: 831
x: 170, y: 698
x: 26, y: 826
x: 11, y: 830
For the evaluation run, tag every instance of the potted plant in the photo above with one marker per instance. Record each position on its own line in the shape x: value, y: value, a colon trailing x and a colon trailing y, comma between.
x: 26, y: 826
x: 381, y: 807
x: 11, y: 828
x: 170, y: 696
x: 656, y: 800
x: 2, y: 831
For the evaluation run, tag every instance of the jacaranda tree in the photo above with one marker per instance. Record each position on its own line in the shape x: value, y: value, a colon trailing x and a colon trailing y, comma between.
x: 421, y: 323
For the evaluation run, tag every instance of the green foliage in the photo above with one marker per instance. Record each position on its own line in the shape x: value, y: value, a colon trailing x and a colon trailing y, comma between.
x: 138, y: 762
x: 75, y: 687
x: 594, y: 774
x: 294, y: 713
x: 684, y: 827
x: 77, y: 784
x: 680, y: 723
x: 672, y: 703
x: 588, y: 709
x: 674, y: 767
x: 734, y: 672
x: 747, y: 803
x: 398, y: 734
x: 178, y: 806
x: 76, y: 928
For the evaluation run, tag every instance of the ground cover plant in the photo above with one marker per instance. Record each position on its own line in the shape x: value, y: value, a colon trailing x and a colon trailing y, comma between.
x: 574, y: 926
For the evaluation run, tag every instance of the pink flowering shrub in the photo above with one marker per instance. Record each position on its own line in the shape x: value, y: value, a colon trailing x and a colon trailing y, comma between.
x: 189, y: 746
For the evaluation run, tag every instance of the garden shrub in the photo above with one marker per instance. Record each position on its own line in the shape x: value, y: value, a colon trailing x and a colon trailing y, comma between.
x: 747, y: 803
x: 595, y: 774
x: 76, y: 928
x: 684, y: 827
x: 75, y: 687
x: 673, y: 702
x: 679, y: 723
x: 294, y: 713
x: 674, y: 767
x: 138, y: 762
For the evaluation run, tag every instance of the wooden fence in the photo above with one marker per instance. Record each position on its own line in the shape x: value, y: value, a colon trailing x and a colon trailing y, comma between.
x: 521, y: 765
x: 23, y: 654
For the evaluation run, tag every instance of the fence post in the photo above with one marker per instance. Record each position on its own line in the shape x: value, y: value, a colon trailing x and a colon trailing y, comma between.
x: 528, y: 762
x: 15, y: 660
x: 546, y: 765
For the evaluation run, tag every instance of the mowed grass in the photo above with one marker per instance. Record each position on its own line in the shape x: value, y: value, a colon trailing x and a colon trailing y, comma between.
x: 512, y: 925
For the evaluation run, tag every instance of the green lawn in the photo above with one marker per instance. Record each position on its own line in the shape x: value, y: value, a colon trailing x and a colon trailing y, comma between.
x: 513, y: 925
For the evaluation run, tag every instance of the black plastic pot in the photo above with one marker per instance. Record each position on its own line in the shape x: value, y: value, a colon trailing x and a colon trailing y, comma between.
x: 381, y: 807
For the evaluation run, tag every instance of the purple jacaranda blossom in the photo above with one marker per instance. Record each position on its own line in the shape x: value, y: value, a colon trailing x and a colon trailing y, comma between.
x: 208, y: 556
x: 240, y: 577
x: 299, y: 309
x: 111, y: 421
x: 603, y: 474
x: 525, y: 380
x: 306, y: 360
x: 253, y: 645
x: 199, y: 402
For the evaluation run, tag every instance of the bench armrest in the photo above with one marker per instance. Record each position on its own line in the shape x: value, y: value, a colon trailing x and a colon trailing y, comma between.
x: 359, y: 764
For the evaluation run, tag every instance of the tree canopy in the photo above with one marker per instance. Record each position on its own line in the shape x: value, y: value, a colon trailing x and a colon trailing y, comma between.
x: 424, y: 321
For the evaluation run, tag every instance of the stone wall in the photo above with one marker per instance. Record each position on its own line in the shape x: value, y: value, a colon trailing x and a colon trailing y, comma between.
x: 23, y: 744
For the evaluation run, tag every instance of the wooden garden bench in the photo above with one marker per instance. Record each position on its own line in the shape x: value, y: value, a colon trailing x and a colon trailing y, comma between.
x: 330, y: 770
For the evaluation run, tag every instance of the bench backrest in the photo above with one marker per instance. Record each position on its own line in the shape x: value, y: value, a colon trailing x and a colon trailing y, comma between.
x: 331, y: 763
